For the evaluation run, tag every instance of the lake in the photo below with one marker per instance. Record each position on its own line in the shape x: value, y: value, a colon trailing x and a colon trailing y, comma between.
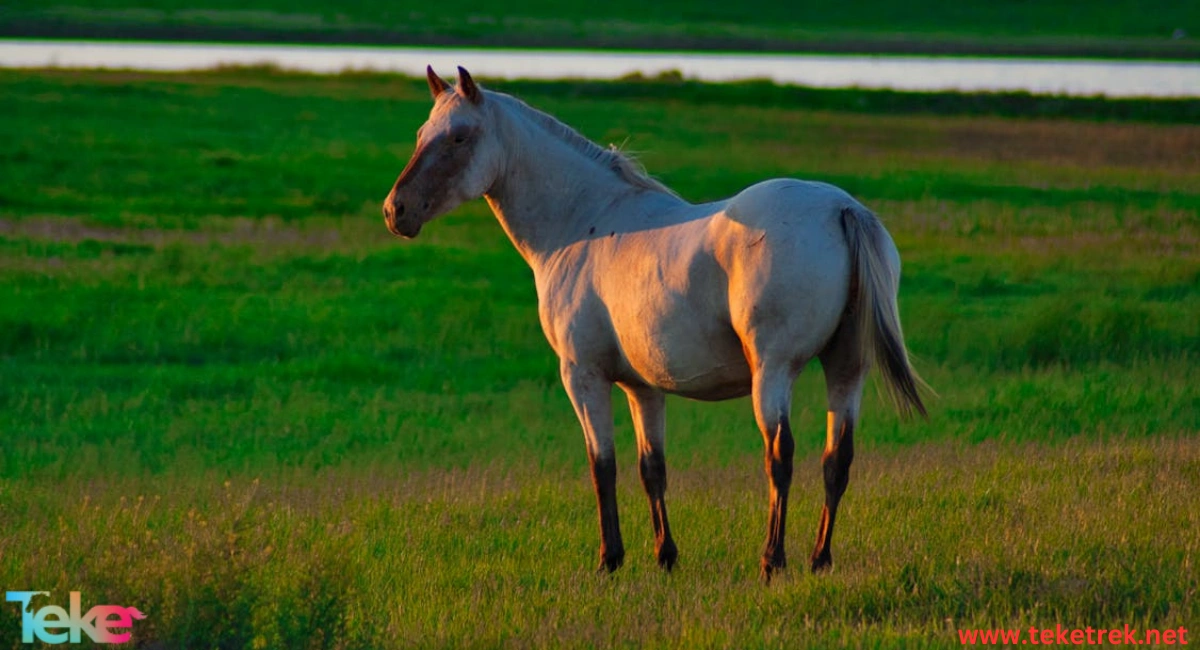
x: 915, y: 73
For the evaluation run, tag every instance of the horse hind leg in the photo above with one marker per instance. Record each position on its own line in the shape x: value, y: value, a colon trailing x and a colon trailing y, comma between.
x: 845, y: 373
x: 772, y: 393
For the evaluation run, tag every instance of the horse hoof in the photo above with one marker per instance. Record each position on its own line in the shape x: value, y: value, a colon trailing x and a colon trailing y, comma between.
x: 610, y: 562
x: 822, y: 562
x: 771, y: 567
x: 667, y: 555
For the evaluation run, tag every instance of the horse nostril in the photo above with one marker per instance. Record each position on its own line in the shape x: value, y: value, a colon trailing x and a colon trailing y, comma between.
x: 399, y: 209
x: 425, y: 205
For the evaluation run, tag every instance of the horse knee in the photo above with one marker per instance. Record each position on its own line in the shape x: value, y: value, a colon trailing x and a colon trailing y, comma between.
x: 653, y: 469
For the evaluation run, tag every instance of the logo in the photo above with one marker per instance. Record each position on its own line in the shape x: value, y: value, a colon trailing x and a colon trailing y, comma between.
x: 52, y: 624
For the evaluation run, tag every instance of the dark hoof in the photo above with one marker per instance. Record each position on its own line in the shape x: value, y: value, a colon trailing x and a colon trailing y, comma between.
x: 610, y: 562
x: 822, y: 562
x: 667, y: 555
x: 772, y: 566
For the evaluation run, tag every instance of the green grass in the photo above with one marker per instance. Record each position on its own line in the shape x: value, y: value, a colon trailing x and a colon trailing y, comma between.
x: 932, y: 539
x: 1159, y: 28
x: 230, y: 398
x: 671, y: 86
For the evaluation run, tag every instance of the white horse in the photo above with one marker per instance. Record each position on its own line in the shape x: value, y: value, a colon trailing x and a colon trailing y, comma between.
x: 639, y: 288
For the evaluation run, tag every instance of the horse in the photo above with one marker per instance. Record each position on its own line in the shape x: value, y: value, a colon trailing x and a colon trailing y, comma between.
x: 639, y: 288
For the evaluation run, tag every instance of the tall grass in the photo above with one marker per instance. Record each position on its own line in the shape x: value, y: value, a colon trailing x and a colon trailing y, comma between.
x: 931, y: 539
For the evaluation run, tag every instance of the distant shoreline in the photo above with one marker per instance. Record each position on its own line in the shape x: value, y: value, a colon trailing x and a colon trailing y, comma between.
x: 948, y: 45
x: 757, y: 93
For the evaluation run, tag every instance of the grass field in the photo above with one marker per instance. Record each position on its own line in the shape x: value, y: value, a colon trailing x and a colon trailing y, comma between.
x: 231, y: 399
x: 1146, y: 28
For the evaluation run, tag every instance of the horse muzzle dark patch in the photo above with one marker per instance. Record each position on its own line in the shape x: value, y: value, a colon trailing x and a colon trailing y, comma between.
x: 406, y: 228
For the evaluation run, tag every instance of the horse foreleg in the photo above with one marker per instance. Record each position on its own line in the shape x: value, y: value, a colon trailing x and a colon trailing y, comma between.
x: 591, y: 395
x: 648, y: 408
x: 772, y: 404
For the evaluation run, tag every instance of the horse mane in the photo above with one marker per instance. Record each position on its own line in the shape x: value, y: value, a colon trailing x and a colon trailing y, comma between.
x: 625, y: 166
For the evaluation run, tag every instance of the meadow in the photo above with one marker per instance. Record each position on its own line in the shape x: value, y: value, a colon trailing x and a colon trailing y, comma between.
x: 1120, y: 28
x: 229, y: 397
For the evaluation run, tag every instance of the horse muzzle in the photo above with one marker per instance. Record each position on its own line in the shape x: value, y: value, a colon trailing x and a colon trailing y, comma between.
x: 399, y: 221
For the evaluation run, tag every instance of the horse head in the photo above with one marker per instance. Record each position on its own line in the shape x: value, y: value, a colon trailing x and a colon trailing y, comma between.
x: 455, y: 159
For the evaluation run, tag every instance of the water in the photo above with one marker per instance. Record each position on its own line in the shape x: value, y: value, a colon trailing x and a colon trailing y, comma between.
x: 1043, y: 76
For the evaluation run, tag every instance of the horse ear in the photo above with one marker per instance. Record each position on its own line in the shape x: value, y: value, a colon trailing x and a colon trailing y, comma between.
x: 466, y: 86
x: 437, y: 85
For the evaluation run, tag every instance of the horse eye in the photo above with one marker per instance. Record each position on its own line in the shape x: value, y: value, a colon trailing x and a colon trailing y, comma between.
x: 459, y: 139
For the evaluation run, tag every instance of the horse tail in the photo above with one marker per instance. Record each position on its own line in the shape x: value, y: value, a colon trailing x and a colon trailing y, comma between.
x: 874, y: 286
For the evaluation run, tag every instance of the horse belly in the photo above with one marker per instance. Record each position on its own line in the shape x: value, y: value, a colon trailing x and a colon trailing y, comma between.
x: 694, y: 359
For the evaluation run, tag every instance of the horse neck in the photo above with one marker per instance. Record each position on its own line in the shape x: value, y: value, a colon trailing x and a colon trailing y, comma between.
x: 550, y: 195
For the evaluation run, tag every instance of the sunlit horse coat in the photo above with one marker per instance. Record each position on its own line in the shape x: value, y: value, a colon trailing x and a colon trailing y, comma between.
x: 639, y: 288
